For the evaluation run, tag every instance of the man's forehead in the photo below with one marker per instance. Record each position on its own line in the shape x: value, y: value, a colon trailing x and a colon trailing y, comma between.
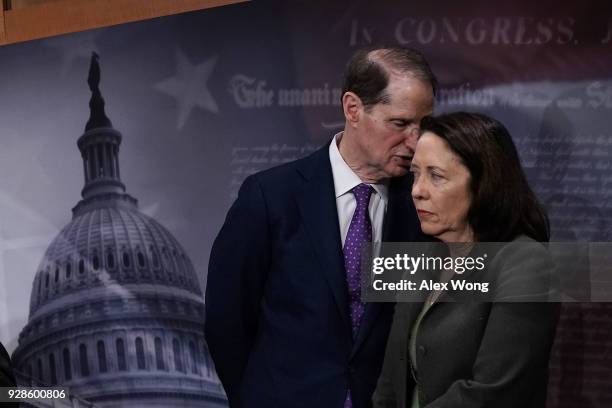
x: 408, y: 81
x: 411, y: 89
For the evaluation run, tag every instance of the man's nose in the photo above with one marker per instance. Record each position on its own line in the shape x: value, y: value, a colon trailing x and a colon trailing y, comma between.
x: 412, y: 136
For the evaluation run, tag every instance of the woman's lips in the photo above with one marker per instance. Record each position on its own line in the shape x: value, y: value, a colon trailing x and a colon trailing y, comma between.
x: 423, y: 213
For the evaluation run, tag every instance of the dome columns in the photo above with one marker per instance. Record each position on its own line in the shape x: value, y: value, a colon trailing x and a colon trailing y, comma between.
x: 100, y: 150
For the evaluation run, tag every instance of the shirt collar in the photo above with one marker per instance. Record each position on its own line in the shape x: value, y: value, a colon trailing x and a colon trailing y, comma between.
x: 345, y: 178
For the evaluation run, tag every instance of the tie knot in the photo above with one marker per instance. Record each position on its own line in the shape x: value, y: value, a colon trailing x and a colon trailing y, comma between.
x: 362, y: 194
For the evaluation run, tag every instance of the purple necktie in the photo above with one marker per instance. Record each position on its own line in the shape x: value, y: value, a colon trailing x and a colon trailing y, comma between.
x: 359, y: 232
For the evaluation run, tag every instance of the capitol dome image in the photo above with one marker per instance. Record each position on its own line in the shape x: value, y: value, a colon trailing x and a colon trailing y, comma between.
x: 116, y: 309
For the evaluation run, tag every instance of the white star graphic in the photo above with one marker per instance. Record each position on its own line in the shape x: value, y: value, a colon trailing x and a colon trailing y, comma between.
x: 189, y: 88
x: 72, y: 47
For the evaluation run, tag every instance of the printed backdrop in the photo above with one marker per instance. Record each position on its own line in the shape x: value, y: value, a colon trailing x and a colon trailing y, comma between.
x: 206, y: 98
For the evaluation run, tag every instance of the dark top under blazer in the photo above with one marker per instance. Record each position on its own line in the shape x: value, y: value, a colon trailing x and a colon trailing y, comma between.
x: 6, y: 374
x: 277, y: 310
x: 477, y: 354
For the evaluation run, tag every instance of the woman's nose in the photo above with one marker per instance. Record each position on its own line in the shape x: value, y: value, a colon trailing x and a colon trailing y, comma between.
x: 418, y: 190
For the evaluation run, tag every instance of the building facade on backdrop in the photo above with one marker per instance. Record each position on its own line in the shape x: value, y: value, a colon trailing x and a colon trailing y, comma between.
x: 116, y: 310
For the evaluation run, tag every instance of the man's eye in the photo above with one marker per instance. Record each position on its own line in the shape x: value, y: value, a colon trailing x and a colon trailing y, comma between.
x: 400, y: 123
x: 436, y: 177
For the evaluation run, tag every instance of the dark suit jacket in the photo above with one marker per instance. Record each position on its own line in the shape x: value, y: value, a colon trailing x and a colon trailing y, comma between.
x: 277, y: 310
x: 478, y: 354
x: 6, y: 374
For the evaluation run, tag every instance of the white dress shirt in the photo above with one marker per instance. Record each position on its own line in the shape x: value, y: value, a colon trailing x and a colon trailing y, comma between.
x: 345, y: 180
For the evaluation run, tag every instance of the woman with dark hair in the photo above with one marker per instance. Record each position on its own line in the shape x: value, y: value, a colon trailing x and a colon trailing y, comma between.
x: 6, y: 375
x: 469, y: 187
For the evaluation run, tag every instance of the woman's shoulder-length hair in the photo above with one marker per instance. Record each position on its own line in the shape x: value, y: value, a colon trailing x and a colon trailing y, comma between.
x: 503, y: 205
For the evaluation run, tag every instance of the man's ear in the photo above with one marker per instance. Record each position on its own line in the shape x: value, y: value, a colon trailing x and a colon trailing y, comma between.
x: 352, y: 106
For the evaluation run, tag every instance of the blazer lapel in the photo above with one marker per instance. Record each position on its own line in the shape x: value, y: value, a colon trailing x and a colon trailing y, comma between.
x: 401, y: 222
x: 400, y: 225
x: 317, y: 204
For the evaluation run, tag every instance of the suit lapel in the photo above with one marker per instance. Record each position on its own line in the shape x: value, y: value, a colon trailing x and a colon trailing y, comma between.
x: 401, y: 222
x: 317, y: 204
x: 400, y: 225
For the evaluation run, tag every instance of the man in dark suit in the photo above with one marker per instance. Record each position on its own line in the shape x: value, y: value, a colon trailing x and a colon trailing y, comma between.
x: 284, y: 322
x: 6, y: 374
